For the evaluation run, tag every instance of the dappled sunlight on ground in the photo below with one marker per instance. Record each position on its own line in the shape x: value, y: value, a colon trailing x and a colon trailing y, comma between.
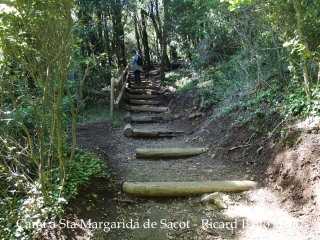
x: 263, y: 217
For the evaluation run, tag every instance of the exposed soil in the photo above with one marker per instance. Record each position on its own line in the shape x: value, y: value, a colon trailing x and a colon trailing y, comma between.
x: 284, y: 205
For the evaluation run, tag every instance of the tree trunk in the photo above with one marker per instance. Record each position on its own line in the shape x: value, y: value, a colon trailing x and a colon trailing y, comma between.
x: 280, y: 64
x: 119, y: 44
x: 137, y: 32
x: 164, y: 56
x: 297, y: 7
x: 106, y: 40
x: 145, y: 43
x: 181, y: 189
x: 157, y: 26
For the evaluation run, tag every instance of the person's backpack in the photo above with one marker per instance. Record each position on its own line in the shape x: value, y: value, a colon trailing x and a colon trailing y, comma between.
x: 139, y: 61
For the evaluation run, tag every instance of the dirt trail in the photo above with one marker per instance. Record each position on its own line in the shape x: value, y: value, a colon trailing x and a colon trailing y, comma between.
x: 235, y: 153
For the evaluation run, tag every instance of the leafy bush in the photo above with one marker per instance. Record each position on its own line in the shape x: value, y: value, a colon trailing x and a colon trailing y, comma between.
x: 80, y: 170
x: 296, y: 103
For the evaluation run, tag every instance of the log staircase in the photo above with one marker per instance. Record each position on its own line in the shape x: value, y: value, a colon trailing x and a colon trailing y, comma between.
x: 145, y: 107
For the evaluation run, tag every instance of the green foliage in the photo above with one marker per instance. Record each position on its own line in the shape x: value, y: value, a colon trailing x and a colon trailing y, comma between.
x: 255, y: 110
x: 97, y: 82
x: 90, y: 78
x: 205, y: 35
x: 315, y: 104
x: 229, y: 109
x: 240, y: 121
x: 17, y: 220
x: 80, y: 171
x: 99, y: 112
x: 37, y: 108
x: 190, y: 85
x: 235, y: 5
x: 296, y: 103
x: 25, y: 205
x: 177, y: 78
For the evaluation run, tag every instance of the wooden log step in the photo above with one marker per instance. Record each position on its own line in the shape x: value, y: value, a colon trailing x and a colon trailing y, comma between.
x: 168, y: 152
x: 143, y: 76
x: 141, y: 91
x: 146, y: 80
x: 142, y: 96
x: 142, y: 86
x: 145, y: 108
x: 142, y: 82
x: 144, y: 102
x: 149, y: 118
x: 154, y: 72
x: 182, y: 189
x: 129, y: 131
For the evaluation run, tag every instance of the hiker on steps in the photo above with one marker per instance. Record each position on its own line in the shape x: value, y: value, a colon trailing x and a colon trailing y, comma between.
x: 136, y: 65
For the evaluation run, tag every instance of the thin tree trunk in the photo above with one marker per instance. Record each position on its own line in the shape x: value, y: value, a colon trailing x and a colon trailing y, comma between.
x: 158, y: 15
x: 119, y: 44
x: 145, y: 42
x: 297, y: 7
x: 137, y: 33
x: 59, y: 130
x: 106, y: 38
x: 164, y: 40
x: 280, y: 65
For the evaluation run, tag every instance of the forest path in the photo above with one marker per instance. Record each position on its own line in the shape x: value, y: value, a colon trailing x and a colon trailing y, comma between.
x: 255, y: 214
x: 120, y: 152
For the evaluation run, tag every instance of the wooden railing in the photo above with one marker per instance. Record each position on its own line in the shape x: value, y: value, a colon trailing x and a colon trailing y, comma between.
x: 117, y: 90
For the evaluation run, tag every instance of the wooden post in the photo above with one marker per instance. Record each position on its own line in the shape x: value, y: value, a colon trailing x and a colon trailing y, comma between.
x: 111, y: 98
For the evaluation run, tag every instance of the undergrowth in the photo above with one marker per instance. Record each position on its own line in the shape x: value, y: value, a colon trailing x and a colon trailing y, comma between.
x: 99, y: 112
x: 257, y: 108
x: 24, y: 214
